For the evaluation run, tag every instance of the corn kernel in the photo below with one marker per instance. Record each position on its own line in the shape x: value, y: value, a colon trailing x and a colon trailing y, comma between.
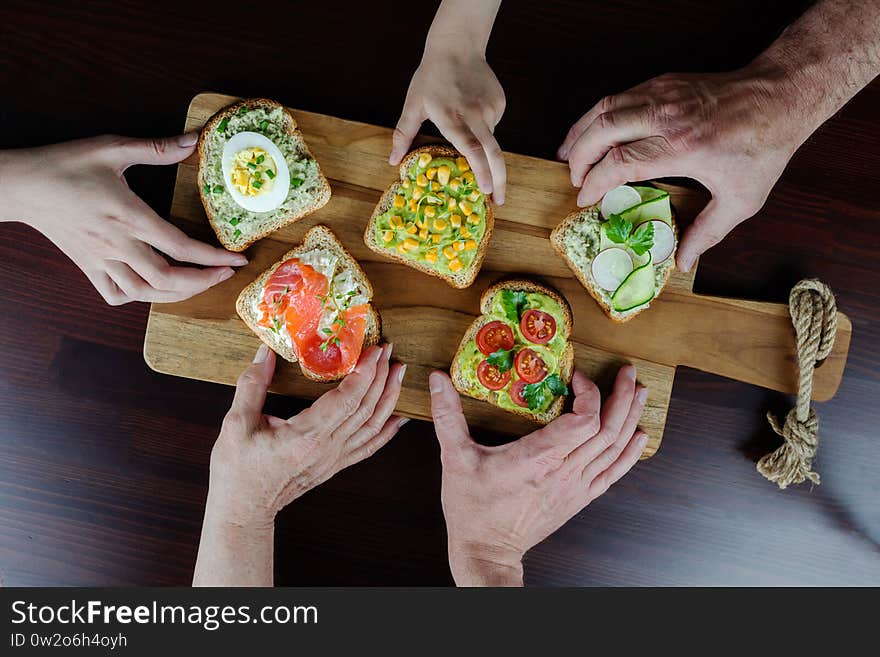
x: 466, y: 208
x: 410, y: 243
x: 405, y: 184
x: 436, y: 237
x: 431, y: 172
x: 430, y: 212
x: 468, y: 177
x: 436, y: 187
x: 421, y: 180
x: 455, y: 220
x: 411, y: 228
x: 439, y: 224
x: 431, y: 256
x: 413, y: 204
x: 474, y: 196
x: 449, y: 252
x: 424, y: 160
x: 464, y: 232
x: 455, y: 265
x: 401, y: 248
x: 395, y: 221
x: 462, y: 164
x: 423, y: 234
x: 455, y: 184
x: 474, y: 219
x: 399, y: 201
x: 417, y: 193
x: 443, y: 174
x: 470, y: 245
x: 388, y: 235
x: 452, y: 203
x: 458, y: 246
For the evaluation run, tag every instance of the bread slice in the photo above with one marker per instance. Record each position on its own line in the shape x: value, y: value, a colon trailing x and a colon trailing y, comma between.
x: 254, y: 225
x: 318, y: 237
x: 566, y: 361
x: 460, y: 279
x: 585, y: 275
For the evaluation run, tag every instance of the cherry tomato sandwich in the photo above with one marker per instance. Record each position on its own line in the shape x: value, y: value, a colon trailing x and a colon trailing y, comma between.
x: 621, y: 250
x: 435, y: 218
x: 313, y: 307
x: 517, y: 355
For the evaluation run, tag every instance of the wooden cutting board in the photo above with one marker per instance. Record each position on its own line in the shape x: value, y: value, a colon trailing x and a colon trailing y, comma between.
x: 203, y: 338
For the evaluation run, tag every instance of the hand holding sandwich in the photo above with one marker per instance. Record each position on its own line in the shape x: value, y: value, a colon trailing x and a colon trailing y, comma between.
x: 261, y: 463
x: 456, y: 89
x: 733, y: 132
x: 499, y: 502
x: 75, y: 193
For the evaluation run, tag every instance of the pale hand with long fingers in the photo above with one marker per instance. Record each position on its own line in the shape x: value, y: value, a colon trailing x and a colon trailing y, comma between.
x: 499, y: 502
x: 261, y: 463
x: 75, y: 193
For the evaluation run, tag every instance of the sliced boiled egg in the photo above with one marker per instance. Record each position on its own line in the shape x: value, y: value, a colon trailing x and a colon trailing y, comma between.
x: 255, y: 172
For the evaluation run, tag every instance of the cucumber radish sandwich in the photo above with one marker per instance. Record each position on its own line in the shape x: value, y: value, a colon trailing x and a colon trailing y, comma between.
x: 256, y: 173
x: 622, y: 250
x: 435, y: 219
x: 313, y: 307
x: 517, y: 354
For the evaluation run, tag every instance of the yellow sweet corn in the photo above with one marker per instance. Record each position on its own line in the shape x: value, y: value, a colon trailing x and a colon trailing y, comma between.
x: 449, y: 252
x: 455, y: 220
x: 462, y: 164
x: 468, y: 177
x: 466, y: 208
x: 424, y: 160
x: 388, y: 235
x: 410, y: 243
x: 443, y: 175
x: 470, y: 245
x: 458, y: 246
x: 474, y: 219
x: 436, y: 237
x: 455, y: 184
x: 431, y: 173
x: 431, y: 256
x: 474, y: 196
x: 417, y: 193
x: 423, y: 234
x: 399, y: 201
x: 413, y: 204
x: 464, y: 232
x: 405, y: 184
x: 401, y: 248
x: 439, y: 224
x: 452, y: 203
x: 421, y: 180
x: 436, y: 187
x: 411, y: 228
x: 395, y: 221
x: 455, y: 265
x: 430, y: 212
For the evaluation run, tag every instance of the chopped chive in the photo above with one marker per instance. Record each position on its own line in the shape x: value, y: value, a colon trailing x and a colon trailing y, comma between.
x: 206, y: 189
x: 223, y: 124
x: 218, y: 189
x: 296, y: 182
x: 234, y: 221
x: 264, y: 124
x: 327, y: 331
x: 236, y: 234
x: 251, y: 166
x: 257, y: 184
x: 260, y: 159
x: 242, y: 110
x: 270, y: 173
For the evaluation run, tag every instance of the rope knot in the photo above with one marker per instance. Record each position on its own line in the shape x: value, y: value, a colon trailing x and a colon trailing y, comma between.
x: 814, y: 315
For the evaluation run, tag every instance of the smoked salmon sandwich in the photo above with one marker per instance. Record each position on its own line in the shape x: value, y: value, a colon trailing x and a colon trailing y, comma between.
x: 313, y: 307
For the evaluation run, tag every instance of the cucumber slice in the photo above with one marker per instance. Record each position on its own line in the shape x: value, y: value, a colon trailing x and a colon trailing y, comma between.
x: 610, y: 267
x: 664, y: 241
x: 655, y: 206
x: 619, y: 199
x: 636, y: 289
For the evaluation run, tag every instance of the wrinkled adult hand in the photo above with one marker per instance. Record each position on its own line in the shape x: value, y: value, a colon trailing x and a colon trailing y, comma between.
x: 501, y: 501
x: 75, y: 193
x: 457, y: 90
x: 733, y: 132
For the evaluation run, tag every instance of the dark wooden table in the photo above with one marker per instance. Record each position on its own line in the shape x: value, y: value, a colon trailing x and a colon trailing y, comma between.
x: 104, y: 463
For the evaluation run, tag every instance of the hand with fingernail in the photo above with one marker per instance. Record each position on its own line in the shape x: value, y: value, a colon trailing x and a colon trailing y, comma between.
x: 75, y: 193
x: 456, y: 89
x: 499, y: 502
x: 261, y: 463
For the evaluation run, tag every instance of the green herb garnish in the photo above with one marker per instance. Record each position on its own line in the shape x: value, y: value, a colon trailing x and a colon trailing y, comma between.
x: 513, y: 303
x: 218, y: 189
x: 260, y: 159
x: 620, y: 231
x: 642, y: 238
x: 223, y: 124
x: 538, y: 395
x: 234, y: 221
x: 242, y: 110
x: 206, y: 189
x: 264, y: 124
x: 251, y: 166
x: 257, y: 184
x: 296, y: 182
x: 502, y: 360
x: 270, y: 173
x: 236, y: 234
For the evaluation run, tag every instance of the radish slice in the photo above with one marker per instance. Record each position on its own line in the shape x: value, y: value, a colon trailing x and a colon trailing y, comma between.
x: 610, y: 267
x: 664, y: 241
x: 619, y: 199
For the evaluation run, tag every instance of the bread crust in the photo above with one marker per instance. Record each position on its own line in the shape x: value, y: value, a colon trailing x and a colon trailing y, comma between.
x: 566, y: 361
x: 558, y: 244
x: 318, y: 236
x: 459, y: 280
x: 322, y: 195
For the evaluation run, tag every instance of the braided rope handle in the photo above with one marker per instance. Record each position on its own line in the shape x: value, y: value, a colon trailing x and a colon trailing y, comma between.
x: 814, y: 315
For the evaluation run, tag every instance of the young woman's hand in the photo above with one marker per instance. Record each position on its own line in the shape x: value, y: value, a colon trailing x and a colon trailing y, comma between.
x: 75, y: 193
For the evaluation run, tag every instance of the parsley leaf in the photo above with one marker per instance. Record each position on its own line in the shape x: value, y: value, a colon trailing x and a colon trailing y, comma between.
x: 513, y: 303
x: 296, y: 182
x: 556, y: 386
x: 538, y: 395
x: 502, y: 359
x: 642, y: 239
x: 618, y: 229
x: 223, y: 124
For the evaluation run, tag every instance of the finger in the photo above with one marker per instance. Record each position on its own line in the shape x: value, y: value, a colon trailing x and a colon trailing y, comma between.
x: 710, y: 227
x: 407, y: 128
x: 384, y: 408
x: 606, y: 104
x: 621, y: 465
x: 246, y: 411
x: 449, y: 423
x: 106, y: 287
x: 136, y: 288
x: 607, y: 130
x: 159, y: 150
x: 568, y: 432
x: 631, y: 423
x: 466, y: 142
x: 639, y: 160
x: 188, y: 281
x: 587, y: 398
x: 367, y: 406
x: 618, y: 442
x: 495, y: 157
x: 333, y: 408
x: 377, y: 442
x: 169, y: 239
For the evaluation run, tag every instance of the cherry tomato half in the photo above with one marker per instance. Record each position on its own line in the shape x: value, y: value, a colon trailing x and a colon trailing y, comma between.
x: 537, y: 326
x: 494, y: 336
x: 530, y: 367
x: 491, y: 377
x: 516, y: 393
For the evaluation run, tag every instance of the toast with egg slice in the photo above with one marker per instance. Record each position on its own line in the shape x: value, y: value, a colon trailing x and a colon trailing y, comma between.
x: 317, y: 238
x: 238, y: 227
x: 452, y: 235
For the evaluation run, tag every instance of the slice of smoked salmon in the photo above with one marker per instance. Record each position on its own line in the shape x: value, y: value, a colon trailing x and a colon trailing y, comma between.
x: 290, y: 281
x: 338, y: 358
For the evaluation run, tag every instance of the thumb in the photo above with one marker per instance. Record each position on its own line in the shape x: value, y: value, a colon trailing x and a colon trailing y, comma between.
x: 449, y: 423
x: 250, y: 390
x: 709, y: 228
x: 406, y: 130
x: 161, y: 150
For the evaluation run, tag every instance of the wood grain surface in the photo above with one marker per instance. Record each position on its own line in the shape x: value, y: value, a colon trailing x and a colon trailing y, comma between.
x: 104, y: 463
x: 203, y: 338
